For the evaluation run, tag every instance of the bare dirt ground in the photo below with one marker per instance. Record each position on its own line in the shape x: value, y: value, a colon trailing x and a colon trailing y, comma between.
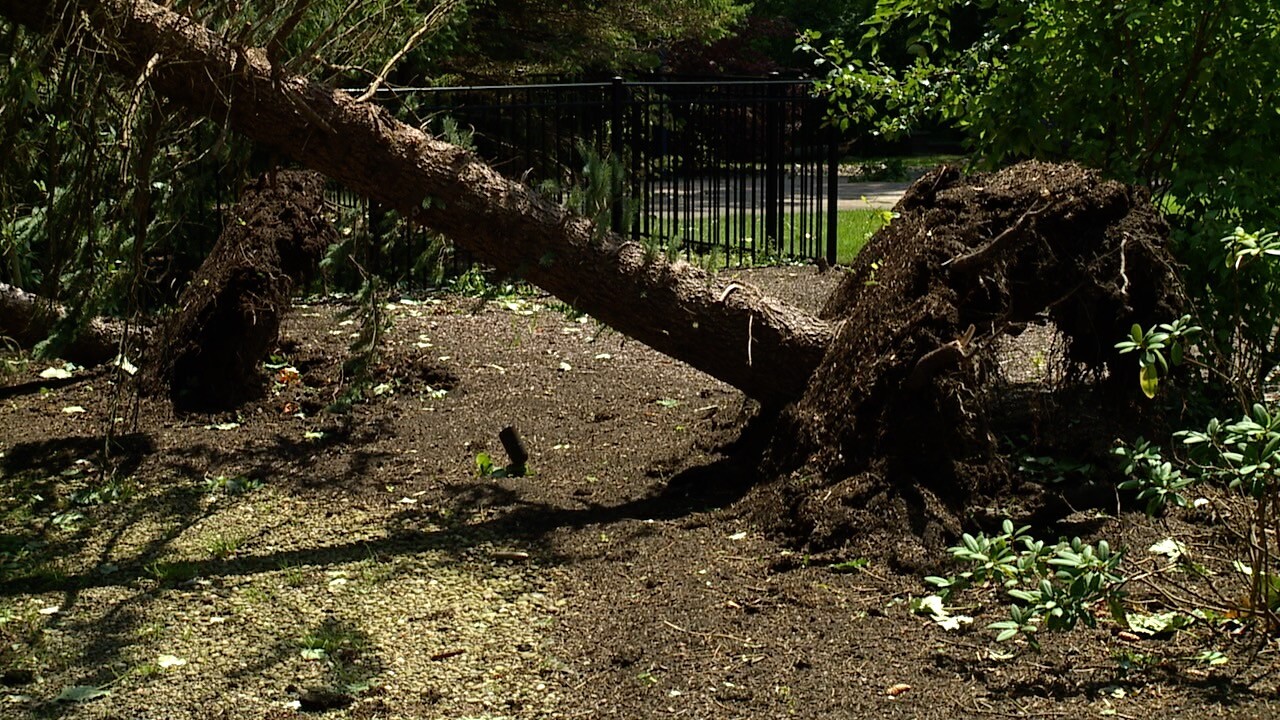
x: 283, y: 560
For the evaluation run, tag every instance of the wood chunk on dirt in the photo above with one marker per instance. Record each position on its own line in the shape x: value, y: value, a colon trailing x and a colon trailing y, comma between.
x: 209, y: 353
x: 894, y: 436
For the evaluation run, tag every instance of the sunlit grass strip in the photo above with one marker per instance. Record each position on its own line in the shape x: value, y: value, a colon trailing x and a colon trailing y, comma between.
x: 853, y: 229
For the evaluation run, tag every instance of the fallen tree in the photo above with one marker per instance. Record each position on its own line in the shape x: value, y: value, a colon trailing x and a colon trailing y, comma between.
x: 732, y: 332
x: 28, y: 320
x: 896, y: 406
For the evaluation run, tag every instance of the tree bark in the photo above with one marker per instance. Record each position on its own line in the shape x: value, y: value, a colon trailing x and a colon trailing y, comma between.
x: 732, y: 332
x: 27, y: 319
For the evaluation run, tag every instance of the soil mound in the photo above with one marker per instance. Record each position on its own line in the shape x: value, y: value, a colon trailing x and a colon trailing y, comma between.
x: 896, y: 435
x: 209, y: 353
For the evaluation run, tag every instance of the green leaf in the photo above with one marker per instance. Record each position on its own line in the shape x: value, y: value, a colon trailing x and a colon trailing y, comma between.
x: 1211, y: 657
x: 1149, y: 379
x: 850, y: 566
x: 1156, y: 623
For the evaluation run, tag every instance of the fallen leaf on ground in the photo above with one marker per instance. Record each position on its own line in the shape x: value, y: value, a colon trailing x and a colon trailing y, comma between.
x: 81, y: 693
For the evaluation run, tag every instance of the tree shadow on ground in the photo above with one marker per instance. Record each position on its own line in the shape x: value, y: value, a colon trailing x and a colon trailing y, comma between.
x: 71, y: 492
x: 308, y: 463
x: 701, y: 488
x: 526, y: 521
x: 1057, y: 684
x: 177, y: 499
x: 60, y: 496
x: 120, y: 453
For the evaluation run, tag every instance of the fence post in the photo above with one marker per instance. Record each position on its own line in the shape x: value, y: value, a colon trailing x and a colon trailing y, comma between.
x: 772, y: 166
x: 616, y: 151
x: 833, y: 193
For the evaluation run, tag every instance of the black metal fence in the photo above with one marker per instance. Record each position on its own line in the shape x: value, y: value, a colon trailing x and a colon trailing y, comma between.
x: 742, y: 169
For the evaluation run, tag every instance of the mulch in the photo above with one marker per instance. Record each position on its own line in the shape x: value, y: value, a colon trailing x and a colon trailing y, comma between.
x: 673, y: 599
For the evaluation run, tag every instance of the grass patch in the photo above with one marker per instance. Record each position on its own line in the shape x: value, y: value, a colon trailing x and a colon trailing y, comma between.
x: 231, y: 484
x: 853, y: 229
x: 172, y: 572
x: 330, y: 638
x: 740, y: 238
x: 223, y: 547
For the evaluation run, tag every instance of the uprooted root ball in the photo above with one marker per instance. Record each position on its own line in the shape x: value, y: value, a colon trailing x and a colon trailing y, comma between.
x: 208, y: 355
x: 894, y: 437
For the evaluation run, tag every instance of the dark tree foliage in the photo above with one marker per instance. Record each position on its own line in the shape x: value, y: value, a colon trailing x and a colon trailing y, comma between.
x: 513, y: 38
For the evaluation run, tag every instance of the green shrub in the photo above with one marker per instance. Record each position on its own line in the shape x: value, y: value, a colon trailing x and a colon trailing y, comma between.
x: 1055, y: 586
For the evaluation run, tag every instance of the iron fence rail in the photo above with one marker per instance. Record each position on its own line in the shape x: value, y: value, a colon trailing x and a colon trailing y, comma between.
x: 746, y: 169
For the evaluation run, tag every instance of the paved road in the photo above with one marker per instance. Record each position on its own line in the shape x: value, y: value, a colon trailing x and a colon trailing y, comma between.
x: 710, y: 195
x: 877, y: 195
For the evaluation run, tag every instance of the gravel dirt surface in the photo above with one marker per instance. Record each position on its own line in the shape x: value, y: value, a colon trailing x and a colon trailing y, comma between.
x: 283, y: 561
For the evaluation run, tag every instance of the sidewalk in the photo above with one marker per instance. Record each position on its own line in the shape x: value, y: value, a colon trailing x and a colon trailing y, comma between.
x: 873, y: 195
x: 705, y: 195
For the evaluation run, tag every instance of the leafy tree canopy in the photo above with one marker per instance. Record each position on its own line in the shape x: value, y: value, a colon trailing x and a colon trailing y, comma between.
x: 834, y: 19
x: 1179, y: 94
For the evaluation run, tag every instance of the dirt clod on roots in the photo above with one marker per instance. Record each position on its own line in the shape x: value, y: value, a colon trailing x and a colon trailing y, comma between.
x: 896, y: 436
x: 210, y: 351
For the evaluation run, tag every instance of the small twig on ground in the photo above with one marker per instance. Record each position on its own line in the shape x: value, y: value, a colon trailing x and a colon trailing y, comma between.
x: 1022, y: 712
x: 1196, y: 599
x: 1275, y: 666
x: 705, y: 635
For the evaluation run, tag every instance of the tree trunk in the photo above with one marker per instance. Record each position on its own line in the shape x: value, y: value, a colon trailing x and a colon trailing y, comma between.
x: 28, y: 319
x: 732, y: 332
